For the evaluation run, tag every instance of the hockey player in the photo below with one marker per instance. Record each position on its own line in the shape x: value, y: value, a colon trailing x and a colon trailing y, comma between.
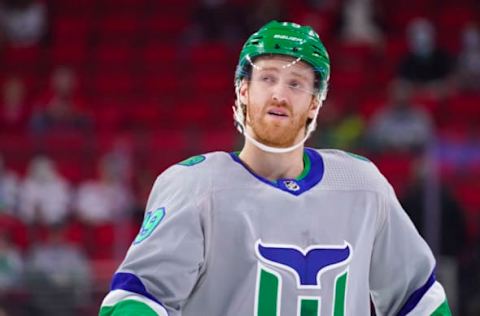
x: 277, y: 229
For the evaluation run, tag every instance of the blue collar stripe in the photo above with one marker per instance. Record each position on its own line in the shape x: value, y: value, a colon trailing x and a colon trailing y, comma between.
x: 309, y: 181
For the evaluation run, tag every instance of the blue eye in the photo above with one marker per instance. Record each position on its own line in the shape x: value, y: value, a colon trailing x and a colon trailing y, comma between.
x: 267, y: 78
x: 295, y: 85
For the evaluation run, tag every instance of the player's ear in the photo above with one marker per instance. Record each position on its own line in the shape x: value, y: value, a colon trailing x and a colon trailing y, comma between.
x: 314, y: 104
x: 243, y: 92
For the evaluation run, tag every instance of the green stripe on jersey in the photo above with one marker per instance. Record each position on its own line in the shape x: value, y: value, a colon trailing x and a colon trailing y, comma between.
x: 309, y: 307
x: 127, y: 308
x: 306, y: 167
x: 442, y: 310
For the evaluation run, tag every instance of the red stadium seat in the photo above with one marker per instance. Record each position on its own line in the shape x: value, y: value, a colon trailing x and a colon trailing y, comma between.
x: 142, y: 115
x: 218, y: 140
x: 165, y: 26
x: 108, y: 115
x: 450, y: 21
x: 72, y: 54
x: 466, y: 108
x: 161, y: 84
x: 210, y: 54
x: 321, y: 21
x: 395, y: 48
x: 69, y: 150
x: 130, y: 4
x: 17, y: 151
x: 211, y: 81
x: 167, y: 147
x: 371, y: 104
x: 468, y: 195
x: 21, y: 57
x: 157, y: 55
x: 114, y: 56
x: 119, y: 27
x: 169, y: 139
x: 76, y: 233
x: 398, y: 19
x: 427, y: 101
x: 102, y: 241
x: 15, y: 230
x: 397, y: 168
x: 348, y: 81
x: 71, y: 29
x: 73, y: 6
x: 110, y: 84
x: 192, y: 115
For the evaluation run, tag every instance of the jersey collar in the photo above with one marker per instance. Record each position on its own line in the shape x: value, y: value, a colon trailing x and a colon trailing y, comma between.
x: 313, y: 174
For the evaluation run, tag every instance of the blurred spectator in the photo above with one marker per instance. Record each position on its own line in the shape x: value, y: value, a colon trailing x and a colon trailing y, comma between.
x: 453, y: 227
x: 62, y: 107
x: 24, y: 22
x: 422, y: 198
x: 400, y: 125
x: 58, y: 275
x: 120, y: 159
x: 13, y: 115
x: 359, y: 23
x: 11, y: 265
x: 263, y: 11
x: 321, y: 4
x: 44, y: 194
x: 349, y: 131
x: 216, y: 20
x: 468, y: 65
x: 8, y: 189
x: 425, y: 63
x: 339, y: 130
x: 105, y: 199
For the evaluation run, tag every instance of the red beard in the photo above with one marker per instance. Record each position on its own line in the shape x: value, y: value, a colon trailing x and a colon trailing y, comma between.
x: 277, y: 133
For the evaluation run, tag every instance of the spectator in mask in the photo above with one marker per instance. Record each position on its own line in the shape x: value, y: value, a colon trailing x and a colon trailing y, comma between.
x: 425, y: 62
x: 24, y: 22
x: 468, y: 65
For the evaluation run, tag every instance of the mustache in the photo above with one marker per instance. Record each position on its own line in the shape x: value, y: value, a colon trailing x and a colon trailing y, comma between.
x: 281, y: 104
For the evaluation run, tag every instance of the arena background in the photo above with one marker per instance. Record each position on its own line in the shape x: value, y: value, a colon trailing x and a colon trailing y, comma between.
x: 99, y: 97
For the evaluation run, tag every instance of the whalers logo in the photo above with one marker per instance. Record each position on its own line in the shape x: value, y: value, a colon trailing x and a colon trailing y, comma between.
x: 150, y: 222
x: 307, y: 266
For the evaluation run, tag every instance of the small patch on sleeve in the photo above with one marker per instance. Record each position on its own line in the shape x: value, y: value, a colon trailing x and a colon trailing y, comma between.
x: 358, y: 156
x: 192, y: 161
x: 150, y: 222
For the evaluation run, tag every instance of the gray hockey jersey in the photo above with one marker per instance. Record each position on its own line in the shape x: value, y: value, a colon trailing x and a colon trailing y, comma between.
x: 219, y: 240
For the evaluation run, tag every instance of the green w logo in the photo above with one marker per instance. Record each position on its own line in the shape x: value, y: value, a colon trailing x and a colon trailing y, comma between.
x: 307, y: 266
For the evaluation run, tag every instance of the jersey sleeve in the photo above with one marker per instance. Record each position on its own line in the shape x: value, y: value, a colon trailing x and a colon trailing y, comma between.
x: 402, y: 277
x: 167, y: 258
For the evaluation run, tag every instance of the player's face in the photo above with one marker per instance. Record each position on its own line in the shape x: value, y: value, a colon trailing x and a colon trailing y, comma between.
x: 279, y: 99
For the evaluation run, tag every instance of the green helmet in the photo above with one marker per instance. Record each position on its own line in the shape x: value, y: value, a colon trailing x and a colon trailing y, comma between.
x: 290, y: 39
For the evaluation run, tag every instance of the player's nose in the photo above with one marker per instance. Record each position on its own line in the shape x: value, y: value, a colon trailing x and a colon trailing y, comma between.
x: 279, y: 93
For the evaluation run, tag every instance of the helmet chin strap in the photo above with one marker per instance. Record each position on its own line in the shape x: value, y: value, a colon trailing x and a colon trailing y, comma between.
x: 239, y: 118
x: 274, y: 150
